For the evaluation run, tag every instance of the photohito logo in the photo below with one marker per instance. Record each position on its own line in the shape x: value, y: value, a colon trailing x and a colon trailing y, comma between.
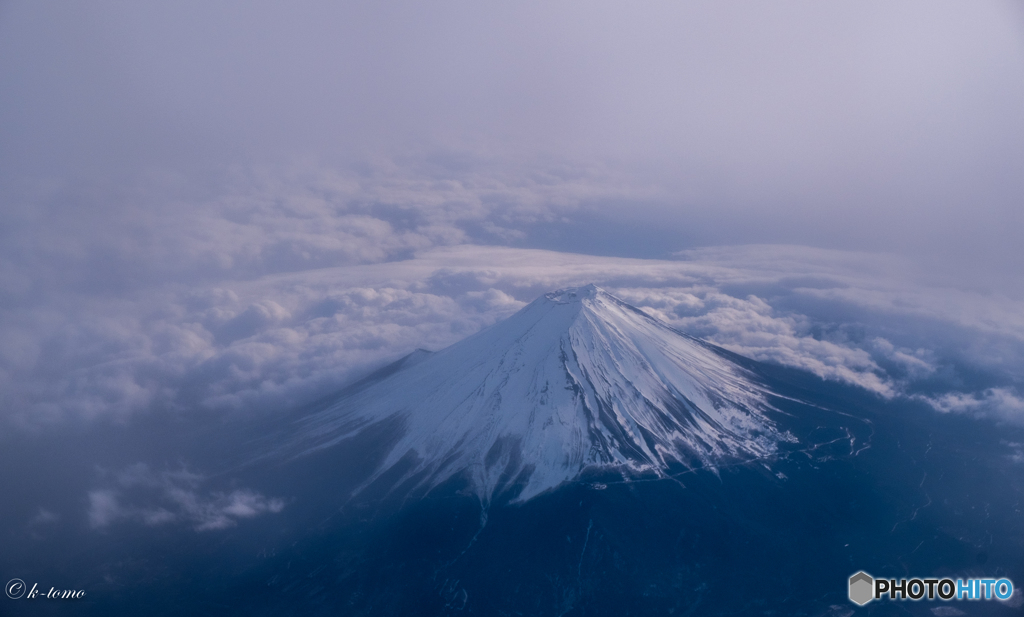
x: 865, y: 588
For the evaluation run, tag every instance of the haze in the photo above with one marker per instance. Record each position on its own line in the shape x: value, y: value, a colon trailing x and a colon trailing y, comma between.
x: 158, y: 161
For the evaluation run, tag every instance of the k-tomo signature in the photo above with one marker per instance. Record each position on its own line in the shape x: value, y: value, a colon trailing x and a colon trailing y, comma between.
x: 17, y: 589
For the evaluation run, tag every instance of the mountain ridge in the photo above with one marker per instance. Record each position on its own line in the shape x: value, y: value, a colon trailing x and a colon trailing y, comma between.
x: 576, y: 379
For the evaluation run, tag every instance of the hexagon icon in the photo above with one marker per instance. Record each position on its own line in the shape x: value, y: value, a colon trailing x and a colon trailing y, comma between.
x: 861, y: 588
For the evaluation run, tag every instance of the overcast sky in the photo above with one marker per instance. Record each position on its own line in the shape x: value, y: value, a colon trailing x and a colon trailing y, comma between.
x: 875, y: 125
x: 159, y: 160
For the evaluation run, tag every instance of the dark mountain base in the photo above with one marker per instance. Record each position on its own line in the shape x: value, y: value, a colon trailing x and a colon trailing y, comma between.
x: 744, y: 541
x: 890, y: 488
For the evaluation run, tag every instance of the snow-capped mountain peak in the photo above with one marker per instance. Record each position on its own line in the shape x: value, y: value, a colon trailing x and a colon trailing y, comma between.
x: 577, y: 378
x: 575, y: 294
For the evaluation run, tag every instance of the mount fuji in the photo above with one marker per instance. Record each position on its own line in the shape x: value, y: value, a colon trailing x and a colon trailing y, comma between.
x: 579, y: 458
x: 577, y: 379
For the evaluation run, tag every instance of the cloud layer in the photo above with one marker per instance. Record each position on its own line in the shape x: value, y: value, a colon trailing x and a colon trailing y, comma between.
x: 242, y: 206
x: 274, y: 342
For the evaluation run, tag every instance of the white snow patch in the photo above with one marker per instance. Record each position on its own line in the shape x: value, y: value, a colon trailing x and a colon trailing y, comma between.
x: 575, y: 379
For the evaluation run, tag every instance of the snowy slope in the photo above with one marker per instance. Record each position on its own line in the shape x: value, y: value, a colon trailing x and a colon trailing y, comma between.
x: 576, y: 378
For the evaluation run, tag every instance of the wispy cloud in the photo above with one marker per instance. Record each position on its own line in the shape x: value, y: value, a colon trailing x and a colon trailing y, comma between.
x: 140, y: 495
x: 998, y: 403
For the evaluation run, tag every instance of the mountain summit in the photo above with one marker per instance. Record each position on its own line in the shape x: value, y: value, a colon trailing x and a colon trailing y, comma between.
x: 577, y: 378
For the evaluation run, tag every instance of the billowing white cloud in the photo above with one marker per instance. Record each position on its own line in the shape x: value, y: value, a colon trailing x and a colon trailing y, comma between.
x: 279, y: 340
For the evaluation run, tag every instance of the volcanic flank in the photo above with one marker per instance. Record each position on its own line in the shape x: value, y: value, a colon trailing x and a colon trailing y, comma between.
x: 578, y: 378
